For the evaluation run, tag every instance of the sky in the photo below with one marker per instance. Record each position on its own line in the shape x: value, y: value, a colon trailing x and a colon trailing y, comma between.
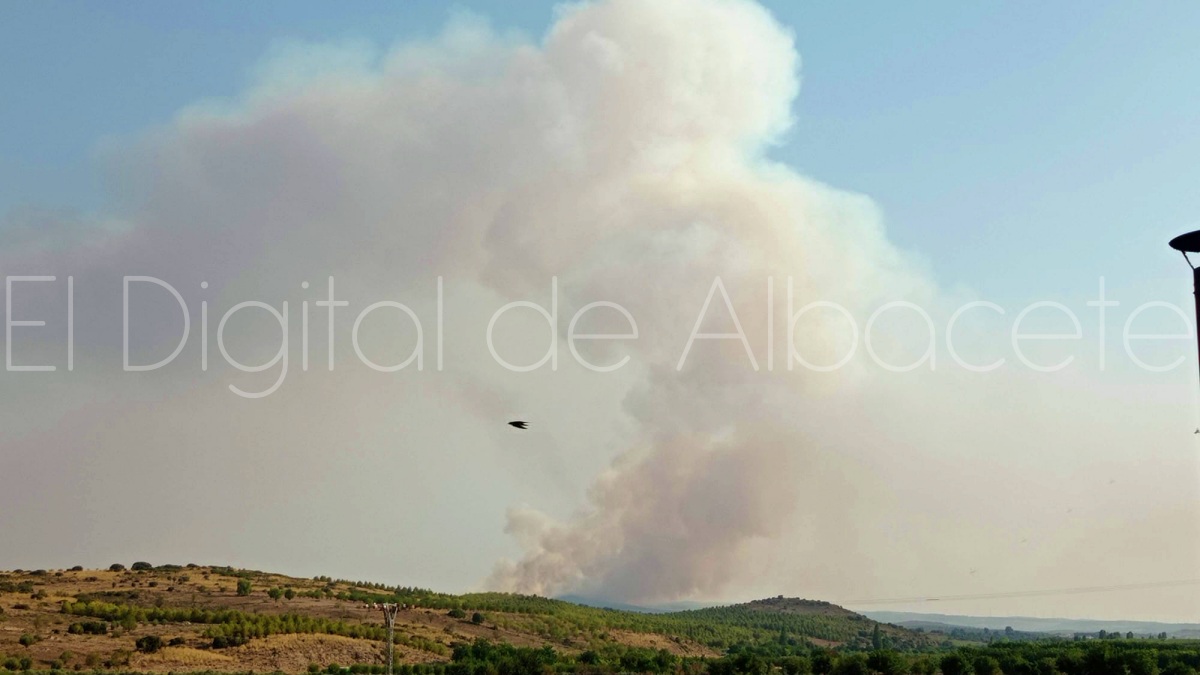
x: 940, y: 155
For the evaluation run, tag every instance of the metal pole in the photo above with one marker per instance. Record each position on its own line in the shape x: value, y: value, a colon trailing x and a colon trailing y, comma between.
x: 389, y: 615
x: 1196, y: 293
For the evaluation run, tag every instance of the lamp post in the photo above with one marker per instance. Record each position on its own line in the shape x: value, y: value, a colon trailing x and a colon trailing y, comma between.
x: 1185, y: 244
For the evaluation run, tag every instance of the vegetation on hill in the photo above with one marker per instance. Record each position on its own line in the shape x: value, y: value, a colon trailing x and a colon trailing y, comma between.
x: 175, y: 618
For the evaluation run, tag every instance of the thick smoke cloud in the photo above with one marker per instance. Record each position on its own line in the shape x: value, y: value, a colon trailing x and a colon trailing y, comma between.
x: 626, y: 155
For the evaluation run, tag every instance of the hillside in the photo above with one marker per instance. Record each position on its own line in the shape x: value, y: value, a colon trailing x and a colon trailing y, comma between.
x: 188, y: 618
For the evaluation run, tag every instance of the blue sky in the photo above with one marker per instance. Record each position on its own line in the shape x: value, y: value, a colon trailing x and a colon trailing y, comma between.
x: 1053, y: 141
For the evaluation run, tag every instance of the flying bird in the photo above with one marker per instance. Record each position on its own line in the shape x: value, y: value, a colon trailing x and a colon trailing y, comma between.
x: 519, y: 424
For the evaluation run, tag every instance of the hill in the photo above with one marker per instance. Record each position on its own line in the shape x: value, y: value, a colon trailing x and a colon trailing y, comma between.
x: 191, y: 618
x: 1061, y: 627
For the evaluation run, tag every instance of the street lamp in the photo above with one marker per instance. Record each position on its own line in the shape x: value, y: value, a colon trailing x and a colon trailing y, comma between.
x: 1185, y: 244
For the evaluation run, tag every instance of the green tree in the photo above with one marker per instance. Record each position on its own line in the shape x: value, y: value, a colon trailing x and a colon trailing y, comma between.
x: 924, y: 665
x: 954, y: 664
x: 795, y: 665
x: 1141, y: 662
x: 985, y: 665
x: 1046, y: 666
x: 275, y: 593
x: 886, y: 662
x: 852, y: 664
x: 745, y: 663
x: 1173, y: 668
x: 822, y: 662
x: 243, y: 587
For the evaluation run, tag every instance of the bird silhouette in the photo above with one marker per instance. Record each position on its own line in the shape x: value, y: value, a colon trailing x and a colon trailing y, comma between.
x: 519, y: 424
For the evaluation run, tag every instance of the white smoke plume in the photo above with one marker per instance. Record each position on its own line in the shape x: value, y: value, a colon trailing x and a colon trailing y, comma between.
x: 626, y: 154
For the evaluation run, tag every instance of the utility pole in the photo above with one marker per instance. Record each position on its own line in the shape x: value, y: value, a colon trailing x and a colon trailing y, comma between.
x: 390, y: 609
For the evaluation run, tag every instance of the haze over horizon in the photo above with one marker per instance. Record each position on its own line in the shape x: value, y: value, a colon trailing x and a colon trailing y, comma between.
x: 692, y: 168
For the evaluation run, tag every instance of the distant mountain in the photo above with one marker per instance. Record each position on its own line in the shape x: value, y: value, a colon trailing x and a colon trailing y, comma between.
x: 776, y: 605
x: 1033, y: 624
x: 606, y: 604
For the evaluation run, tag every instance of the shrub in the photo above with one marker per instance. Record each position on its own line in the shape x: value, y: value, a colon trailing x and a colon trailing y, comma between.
x: 26, y: 663
x: 289, y: 593
x: 119, y: 658
x: 457, y: 613
x: 28, y: 640
x: 275, y: 593
x: 116, y: 567
x: 476, y: 618
x: 88, y: 628
x: 77, y: 568
x: 222, y: 642
x: 149, y: 644
x: 243, y: 587
x: 176, y: 642
x: 314, y: 668
x: 141, y: 566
